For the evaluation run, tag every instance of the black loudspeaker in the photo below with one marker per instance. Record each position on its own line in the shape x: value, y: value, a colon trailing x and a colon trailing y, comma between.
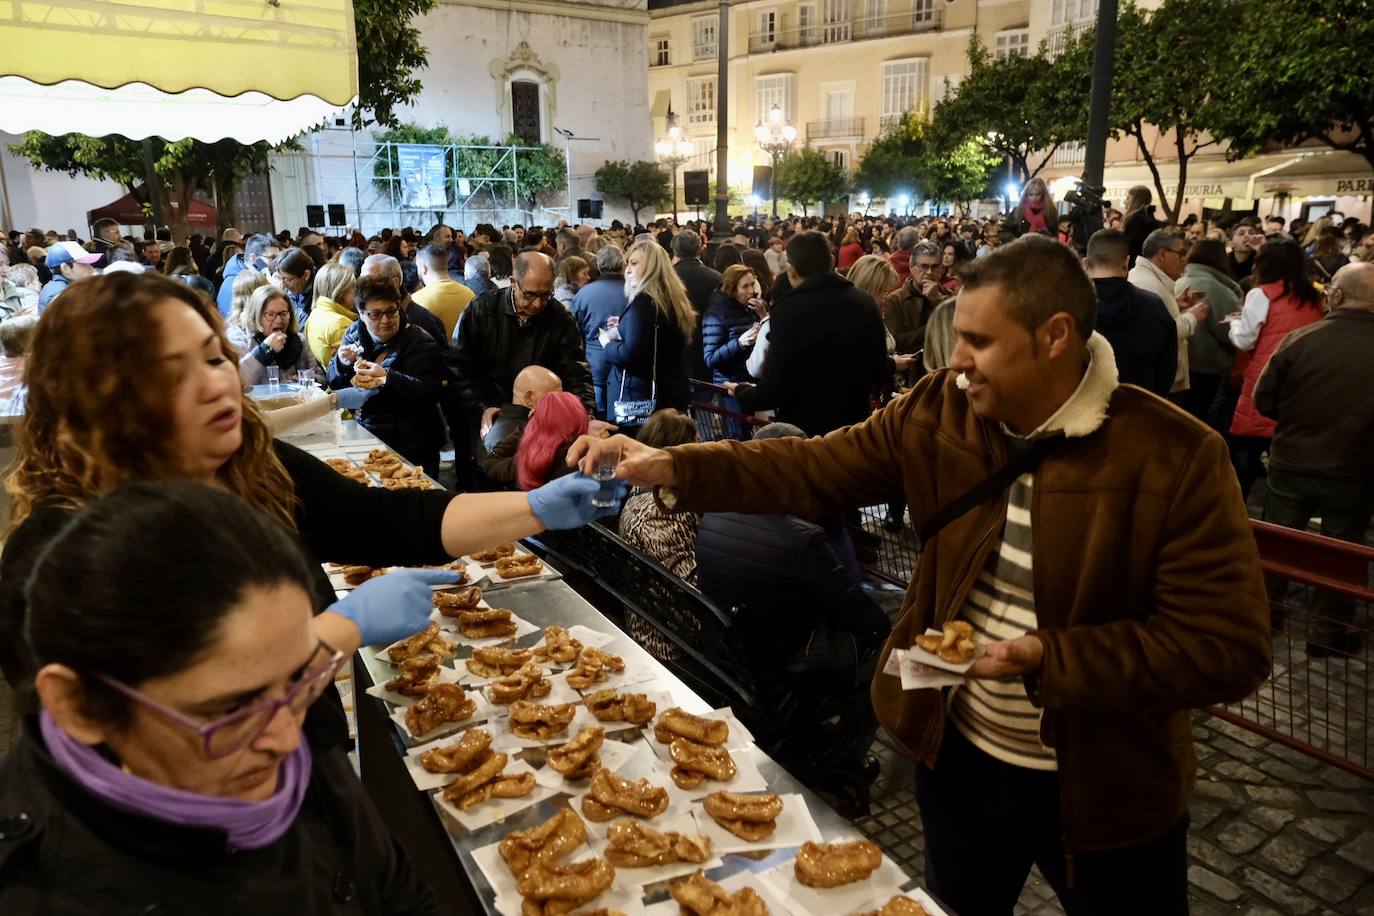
x: 314, y: 215
x: 337, y: 217
x: 588, y: 208
x: 696, y: 188
x: 763, y: 181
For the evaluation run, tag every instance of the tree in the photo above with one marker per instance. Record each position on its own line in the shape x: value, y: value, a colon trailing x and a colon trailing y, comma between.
x: 888, y: 168
x: 1298, y: 72
x: 536, y: 169
x: 1022, y: 108
x: 389, y: 51
x: 640, y: 184
x: 1167, y: 65
x: 386, y: 167
x: 807, y: 176
x: 180, y: 169
x: 957, y: 175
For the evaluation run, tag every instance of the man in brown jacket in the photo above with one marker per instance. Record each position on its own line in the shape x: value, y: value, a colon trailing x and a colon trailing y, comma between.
x: 1113, y: 587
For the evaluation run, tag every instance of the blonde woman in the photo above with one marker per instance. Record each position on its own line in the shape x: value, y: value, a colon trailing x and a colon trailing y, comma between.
x: 646, y: 344
x: 245, y: 281
x: 1138, y: 219
x: 269, y: 336
x: 1036, y: 211
x: 875, y: 276
x: 333, y: 311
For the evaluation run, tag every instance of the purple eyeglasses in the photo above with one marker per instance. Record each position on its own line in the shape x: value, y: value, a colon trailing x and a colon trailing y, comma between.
x: 233, y: 732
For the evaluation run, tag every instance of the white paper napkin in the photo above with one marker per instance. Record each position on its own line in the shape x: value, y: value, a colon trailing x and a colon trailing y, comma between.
x: 614, y: 755
x: 740, y: 737
x: 495, y: 809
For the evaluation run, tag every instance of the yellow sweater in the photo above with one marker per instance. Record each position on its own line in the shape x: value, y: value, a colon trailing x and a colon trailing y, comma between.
x: 324, y: 329
x: 446, y: 299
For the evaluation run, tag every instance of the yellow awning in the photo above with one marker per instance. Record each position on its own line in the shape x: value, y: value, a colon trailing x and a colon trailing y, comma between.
x: 209, y: 69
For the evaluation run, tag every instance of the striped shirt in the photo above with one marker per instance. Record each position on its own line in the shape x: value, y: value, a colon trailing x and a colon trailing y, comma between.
x: 997, y: 716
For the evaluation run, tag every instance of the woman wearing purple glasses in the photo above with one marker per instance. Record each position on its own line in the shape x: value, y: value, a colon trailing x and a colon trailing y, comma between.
x: 167, y: 770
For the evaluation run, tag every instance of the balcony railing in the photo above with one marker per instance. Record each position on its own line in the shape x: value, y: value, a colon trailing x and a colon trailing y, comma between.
x: 834, y: 127
x: 859, y: 28
x: 1061, y: 36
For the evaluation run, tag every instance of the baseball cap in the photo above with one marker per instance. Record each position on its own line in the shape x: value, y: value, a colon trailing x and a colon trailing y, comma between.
x: 67, y: 252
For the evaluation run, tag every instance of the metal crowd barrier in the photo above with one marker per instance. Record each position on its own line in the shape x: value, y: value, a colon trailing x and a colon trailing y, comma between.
x: 1317, y: 699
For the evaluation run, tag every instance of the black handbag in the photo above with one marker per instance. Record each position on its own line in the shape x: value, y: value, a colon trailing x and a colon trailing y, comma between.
x: 637, y: 413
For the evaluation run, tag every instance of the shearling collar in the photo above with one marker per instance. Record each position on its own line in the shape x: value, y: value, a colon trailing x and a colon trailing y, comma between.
x: 1086, y: 409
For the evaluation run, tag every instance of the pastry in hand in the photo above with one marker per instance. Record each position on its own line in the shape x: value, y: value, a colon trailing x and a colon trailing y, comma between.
x: 953, y: 644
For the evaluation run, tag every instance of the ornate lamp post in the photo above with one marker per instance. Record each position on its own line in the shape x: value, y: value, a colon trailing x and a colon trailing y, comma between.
x: 673, y: 150
x: 775, y: 137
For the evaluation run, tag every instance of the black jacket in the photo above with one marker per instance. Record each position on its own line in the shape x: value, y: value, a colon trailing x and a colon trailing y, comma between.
x: 784, y: 578
x: 701, y: 281
x: 1316, y: 387
x: 632, y: 359
x: 1138, y: 228
x: 827, y: 355
x: 1142, y: 334
x: 328, y: 507
x: 721, y: 327
x: 491, y: 347
x: 75, y: 855
x: 404, y: 413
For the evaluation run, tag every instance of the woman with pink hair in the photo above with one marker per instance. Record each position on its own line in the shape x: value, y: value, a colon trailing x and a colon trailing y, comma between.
x: 556, y: 422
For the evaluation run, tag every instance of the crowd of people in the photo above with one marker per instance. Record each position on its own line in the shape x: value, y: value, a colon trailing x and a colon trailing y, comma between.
x: 1141, y: 380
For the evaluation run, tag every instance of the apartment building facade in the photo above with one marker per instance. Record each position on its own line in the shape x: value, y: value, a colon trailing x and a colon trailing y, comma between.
x: 841, y: 71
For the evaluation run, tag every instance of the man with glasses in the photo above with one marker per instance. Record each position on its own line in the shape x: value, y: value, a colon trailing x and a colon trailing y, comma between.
x: 260, y: 253
x: 1159, y: 265
x: 385, y: 354
x: 909, y: 307
x: 506, y: 330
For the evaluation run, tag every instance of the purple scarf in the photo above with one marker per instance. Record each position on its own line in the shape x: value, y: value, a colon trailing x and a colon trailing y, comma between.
x: 249, y: 825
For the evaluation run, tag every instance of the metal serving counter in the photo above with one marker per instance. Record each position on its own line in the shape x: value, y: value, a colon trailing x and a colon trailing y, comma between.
x: 441, y: 847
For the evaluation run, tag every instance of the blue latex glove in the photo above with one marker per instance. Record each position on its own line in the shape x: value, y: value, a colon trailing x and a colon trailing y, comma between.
x: 566, y: 502
x: 352, y: 398
x: 393, y: 606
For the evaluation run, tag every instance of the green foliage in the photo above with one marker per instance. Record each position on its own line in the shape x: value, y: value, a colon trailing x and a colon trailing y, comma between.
x: 386, y: 165
x: 1296, y: 72
x: 1017, y: 106
x: 389, y: 51
x: 184, y: 167
x: 807, y: 176
x: 640, y: 184
x: 1168, y: 65
x: 889, y: 166
x: 956, y: 175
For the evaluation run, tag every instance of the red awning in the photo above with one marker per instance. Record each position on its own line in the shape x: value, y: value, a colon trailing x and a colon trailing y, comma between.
x: 128, y: 211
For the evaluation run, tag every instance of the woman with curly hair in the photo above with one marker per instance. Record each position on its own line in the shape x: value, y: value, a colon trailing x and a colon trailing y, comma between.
x: 156, y: 396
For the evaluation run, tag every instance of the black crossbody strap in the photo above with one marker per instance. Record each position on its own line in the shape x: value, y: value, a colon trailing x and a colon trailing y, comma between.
x: 1022, y: 462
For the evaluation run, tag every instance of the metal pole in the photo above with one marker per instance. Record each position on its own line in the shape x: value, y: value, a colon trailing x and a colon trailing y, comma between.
x: 1095, y: 156
x: 773, y: 182
x: 674, y: 164
x: 722, y: 220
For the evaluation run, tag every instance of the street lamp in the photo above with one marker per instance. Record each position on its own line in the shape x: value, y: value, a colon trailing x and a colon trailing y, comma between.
x: 775, y: 137
x: 673, y: 150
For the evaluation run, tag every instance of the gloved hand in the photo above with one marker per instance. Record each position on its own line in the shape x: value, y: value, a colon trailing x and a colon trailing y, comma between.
x: 395, y: 605
x: 566, y: 502
x: 352, y: 398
